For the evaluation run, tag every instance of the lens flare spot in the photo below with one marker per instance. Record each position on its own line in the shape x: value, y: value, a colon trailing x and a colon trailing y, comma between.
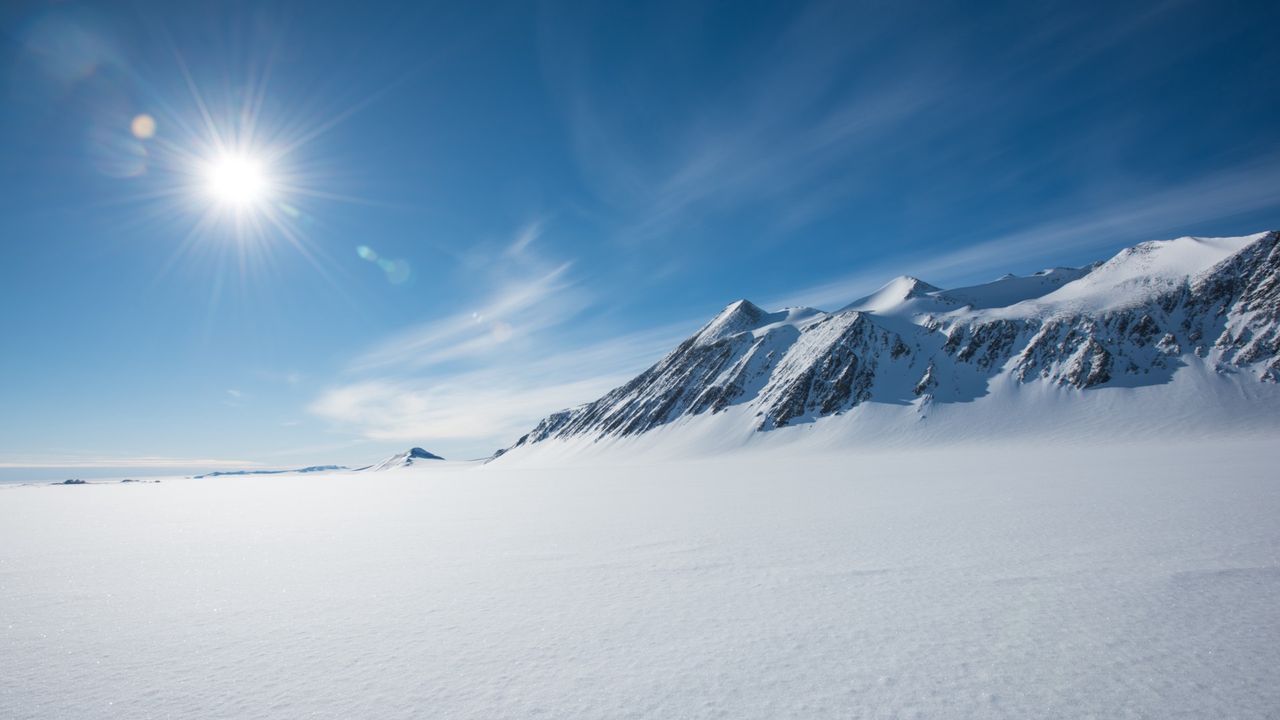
x: 398, y: 271
x: 143, y: 126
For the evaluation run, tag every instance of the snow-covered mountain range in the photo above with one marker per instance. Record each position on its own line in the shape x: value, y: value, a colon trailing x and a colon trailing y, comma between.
x: 1133, y: 321
x: 304, y: 470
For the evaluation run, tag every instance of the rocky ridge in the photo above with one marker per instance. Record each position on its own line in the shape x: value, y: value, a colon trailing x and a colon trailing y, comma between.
x: 1133, y: 320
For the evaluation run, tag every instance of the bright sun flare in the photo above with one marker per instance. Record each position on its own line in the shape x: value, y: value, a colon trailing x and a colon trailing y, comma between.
x: 237, y: 180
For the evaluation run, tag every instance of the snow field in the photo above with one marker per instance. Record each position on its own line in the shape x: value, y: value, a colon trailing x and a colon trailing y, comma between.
x: 987, y: 581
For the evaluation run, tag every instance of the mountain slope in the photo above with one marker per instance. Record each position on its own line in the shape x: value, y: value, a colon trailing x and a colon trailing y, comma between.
x: 1130, y: 322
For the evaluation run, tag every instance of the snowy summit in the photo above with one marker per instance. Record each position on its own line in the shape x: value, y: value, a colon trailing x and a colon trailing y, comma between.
x: 405, y: 459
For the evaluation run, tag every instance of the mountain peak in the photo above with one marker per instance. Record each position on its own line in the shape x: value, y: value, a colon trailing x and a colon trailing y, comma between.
x: 405, y: 459
x: 738, y: 316
x: 915, y: 285
x: 741, y: 310
x: 892, y: 294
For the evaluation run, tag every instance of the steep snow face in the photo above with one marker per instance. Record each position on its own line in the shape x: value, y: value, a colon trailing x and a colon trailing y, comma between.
x: 405, y: 459
x: 1138, y: 274
x: 1130, y: 322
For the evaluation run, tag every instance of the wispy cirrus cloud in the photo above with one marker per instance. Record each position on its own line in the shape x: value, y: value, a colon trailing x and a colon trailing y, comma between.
x: 843, y: 107
x: 135, y: 462
x: 487, y: 408
x: 512, y: 312
x: 796, y: 117
x: 465, y: 409
x: 477, y: 377
x: 1125, y: 220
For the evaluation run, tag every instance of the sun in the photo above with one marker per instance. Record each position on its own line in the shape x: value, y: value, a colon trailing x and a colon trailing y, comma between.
x: 238, y: 181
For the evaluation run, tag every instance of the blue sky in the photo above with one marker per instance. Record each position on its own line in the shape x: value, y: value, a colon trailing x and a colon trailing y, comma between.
x: 484, y: 214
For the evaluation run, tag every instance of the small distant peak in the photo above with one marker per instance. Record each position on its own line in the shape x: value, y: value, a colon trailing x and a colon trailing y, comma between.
x: 910, y: 286
x: 738, y: 316
x: 742, y: 307
x: 893, y: 294
x: 1011, y: 276
x: 1059, y: 270
x: 1152, y: 246
x: 904, y: 287
x: 404, y: 459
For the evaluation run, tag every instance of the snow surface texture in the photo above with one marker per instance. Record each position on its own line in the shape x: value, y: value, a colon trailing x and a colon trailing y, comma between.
x: 1197, y: 320
x: 983, y: 581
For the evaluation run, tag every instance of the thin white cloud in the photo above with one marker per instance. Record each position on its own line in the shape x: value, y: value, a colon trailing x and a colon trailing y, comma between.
x: 450, y: 410
x: 315, y: 452
x: 515, y: 310
x: 485, y: 372
x: 527, y: 235
x: 796, y: 118
x: 1139, y: 217
x: 142, y: 461
x: 824, y: 112
x: 490, y: 407
x: 735, y: 172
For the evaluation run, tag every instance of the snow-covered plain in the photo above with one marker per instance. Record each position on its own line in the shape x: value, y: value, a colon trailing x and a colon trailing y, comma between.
x: 1022, y: 579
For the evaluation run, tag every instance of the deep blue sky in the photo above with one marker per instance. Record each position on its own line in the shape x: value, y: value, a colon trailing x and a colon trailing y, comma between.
x: 557, y: 193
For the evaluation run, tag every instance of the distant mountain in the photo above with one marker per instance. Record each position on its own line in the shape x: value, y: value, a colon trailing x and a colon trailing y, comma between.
x: 311, y: 469
x: 405, y: 459
x: 1130, y: 322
